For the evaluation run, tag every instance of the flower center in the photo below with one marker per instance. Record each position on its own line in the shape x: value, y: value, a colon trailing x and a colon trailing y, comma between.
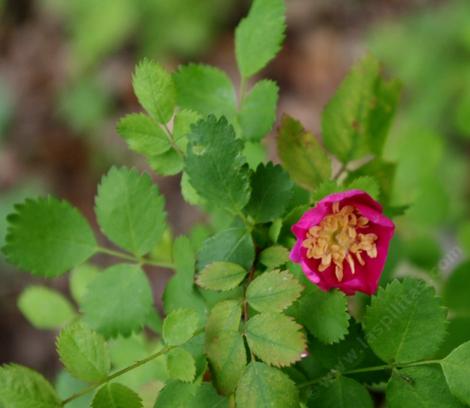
x: 337, y: 239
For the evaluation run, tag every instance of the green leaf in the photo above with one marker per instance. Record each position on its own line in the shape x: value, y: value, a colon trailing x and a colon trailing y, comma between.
x: 271, y: 192
x: 341, y: 392
x: 177, y: 394
x: 221, y: 276
x: 130, y: 210
x: 330, y: 321
x: 274, y: 256
x: 356, y: 120
x: 225, y: 348
x: 179, y: 326
x: 80, y: 278
x: 66, y: 385
x: 302, y: 155
x: 463, y: 236
x: 367, y: 184
x: 419, y: 387
x: 181, y: 365
x: 455, y: 293
x: 456, y: 367
x: 231, y: 245
x: 273, y: 291
x: 275, y: 338
x: 215, y: 165
x: 143, y: 135
x: 155, y: 90
x: 103, y: 306
x: 266, y: 387
x: 48, y: 237
x: 184, y: 119
x: 168, y: 163
x: 115, y: 395
x: 206, y: 90
x: 258, y: 110
x: 259, y: 36
x: 21, y: 387
x: 84, y: 353
x: 405, y: 322
x: 45, y: 308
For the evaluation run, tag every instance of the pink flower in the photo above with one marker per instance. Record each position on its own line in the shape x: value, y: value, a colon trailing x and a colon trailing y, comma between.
x: 343, y: 242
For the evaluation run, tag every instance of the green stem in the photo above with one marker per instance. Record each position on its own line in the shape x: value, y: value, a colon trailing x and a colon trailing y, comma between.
x: 340, y: 172
x: 132, y: 258
x: 171, y: 139
x: 117, y: 374
x: 242, y: 91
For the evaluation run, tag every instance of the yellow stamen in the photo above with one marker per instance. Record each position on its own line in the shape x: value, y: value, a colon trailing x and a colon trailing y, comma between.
x: 336, y: 239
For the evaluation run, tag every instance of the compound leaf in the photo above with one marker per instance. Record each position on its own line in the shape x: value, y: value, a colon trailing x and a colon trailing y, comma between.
x: 181, y: 365
x: 221, y: 276
x: 179, y: 326
x: 115, y: 395
x: 456, y: 367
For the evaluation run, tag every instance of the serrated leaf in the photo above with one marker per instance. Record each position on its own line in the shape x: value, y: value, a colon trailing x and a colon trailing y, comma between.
x: 80, y: 278
x: 179, y: 326
x: 115, y: 395
x: 341, y: 392
x: 181, y: 365
x: 21, y: 387
x: 231, y: 245
x: 419, y: 387
x: 330, y: 321
x: 48, y: 237
x: 456, y: 367
x: 184, y: 119
x: 302, y: 155
x: 405, y: 322
x: 262, y: 386
x: 168, y: 163
x: 258, y: 110
x: 273, y: 291
x: 180, y: 291
x: 215, y: 165
x: 206, y: 90
x: 84, y: 353
x: 367, y: 184
x: 274, y: 256
x: 455, y: 292
x: 130, y: 210
x: 103, y: 306
x: 356, y: 120
x: 221, y: 276
x: 177, y: 394
x: 45, y: 308
x: 275, y: 338
x: 224, y: 316
x: 143, y: 135
x: 259, y: 36
x: 155, y: 90
x: 271, y: 192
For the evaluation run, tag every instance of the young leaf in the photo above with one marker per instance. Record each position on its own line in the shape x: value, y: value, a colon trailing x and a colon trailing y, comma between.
x: 184, y: 119
x: 115, y: 395
x: 356, y: 120
x: 273, y: 291
x: 302, y: 155
x: 274, y: 256
x: 179, y: 326
x: 275, y: 338
x: 456, y: 367
x: 45, y: 308
x: 181, y: 365
x: 330, y: 321
x: 84, y: 353
x: 258, y: 37
x: 367, y: 184
x: 271, y: 193
x: 21, y: 387
x: 263, y: 386
x: 221, y: 276
x: 419, y: 387
x: 103, y: 306
x: 231, y: 245
x: 143, y: 135
x: 258, y: 110
x: 215, y: 165
x: 155, y: 90
x: 48, y: 237
x: 168, y: 163
x: 177, y: 394
x: 206, y: 90
x: 405, y: 322
x: 130, y: 210
x: 341, y: 392
x: 224, y: 316
x: 80, y: 278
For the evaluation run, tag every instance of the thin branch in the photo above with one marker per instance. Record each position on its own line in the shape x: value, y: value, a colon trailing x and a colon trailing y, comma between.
x: 128, y: 257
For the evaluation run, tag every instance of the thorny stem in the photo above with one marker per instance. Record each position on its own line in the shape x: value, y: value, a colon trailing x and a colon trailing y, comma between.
x: 132, y: 258
x: 370, y: 369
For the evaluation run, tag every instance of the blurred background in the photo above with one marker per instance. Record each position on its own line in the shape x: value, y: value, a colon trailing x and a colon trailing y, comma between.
x: 65, y: 79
